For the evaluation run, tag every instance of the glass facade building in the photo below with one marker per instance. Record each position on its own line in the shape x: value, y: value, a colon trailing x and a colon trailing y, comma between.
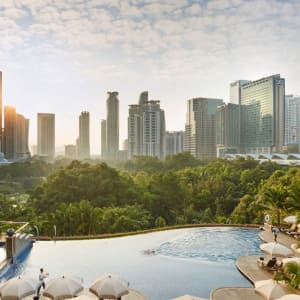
x: 292, y: 120
x: 262, y: 115
x: 228, y: 129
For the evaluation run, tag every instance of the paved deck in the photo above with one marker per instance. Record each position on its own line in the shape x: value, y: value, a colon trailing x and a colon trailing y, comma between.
x: 248, y: 266
x: 282, y: 238
x: 235, y: 294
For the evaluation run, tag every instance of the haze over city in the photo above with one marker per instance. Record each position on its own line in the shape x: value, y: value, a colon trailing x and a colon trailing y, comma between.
x: 63, y: 56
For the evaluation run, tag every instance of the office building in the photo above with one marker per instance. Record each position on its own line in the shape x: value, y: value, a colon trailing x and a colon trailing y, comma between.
x: 173, y: 142
x: 112, y: 125
x: 134, y: 131
x: 146, y: 128
x: 71, y: 151
x: 228, y: 129
x: 235, y: 91
x: 292, y: 123
x: 10, y: 133
x: 22, y: 132
x: 46, y: 135
x: 84, y: 136
x: 200, y: 127
x: 262, y: 115
x: 103, y: 139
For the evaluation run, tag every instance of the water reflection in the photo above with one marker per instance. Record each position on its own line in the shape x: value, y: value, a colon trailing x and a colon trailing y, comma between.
x: 185, y: 261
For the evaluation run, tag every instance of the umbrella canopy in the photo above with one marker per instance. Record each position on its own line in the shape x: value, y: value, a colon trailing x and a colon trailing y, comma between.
x: 289, y: 297
x: 290, y: 219
x: 18, y: 288
x: 188, y: 297
x: 276, y: 249
x: 269, y: 289
x: 109, y: 286
x: 291, y: 259
x: 63, y: 287
x: 85, y: 297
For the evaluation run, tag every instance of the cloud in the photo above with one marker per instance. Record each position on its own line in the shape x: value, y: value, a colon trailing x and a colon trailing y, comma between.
x: 178, y: 36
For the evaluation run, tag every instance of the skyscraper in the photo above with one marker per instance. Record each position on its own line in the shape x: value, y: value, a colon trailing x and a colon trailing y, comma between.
x: 103, y: 139
x: 84, y: 135
x: 228, y: 129
x: 173, y: 142
x: 200, y: 127
x: 292, y: 121
x: 235, y: 91
x: 10, y: 133
x: 262, y: 115
x: 112, y: 125
x: 134, y: 130
x: 146, y: 128
x: 22, y: 149
x: 46, y: 135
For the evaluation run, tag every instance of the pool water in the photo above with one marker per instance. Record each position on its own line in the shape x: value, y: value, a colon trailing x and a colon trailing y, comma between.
x: 184, y: 261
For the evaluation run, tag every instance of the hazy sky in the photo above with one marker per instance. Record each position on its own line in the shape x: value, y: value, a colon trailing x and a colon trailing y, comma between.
x: 62, y: 56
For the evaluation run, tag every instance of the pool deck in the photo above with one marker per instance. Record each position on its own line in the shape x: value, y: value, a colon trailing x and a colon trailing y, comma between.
x: 248, y: 266
x: 235, y: 294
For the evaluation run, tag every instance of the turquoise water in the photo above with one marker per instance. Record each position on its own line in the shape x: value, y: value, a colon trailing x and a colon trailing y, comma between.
x: 185, y: 261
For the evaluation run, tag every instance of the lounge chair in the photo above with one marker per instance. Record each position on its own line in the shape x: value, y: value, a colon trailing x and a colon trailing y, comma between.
x: 295, y: 232
x: 271, y: 264
x: 291, y: 229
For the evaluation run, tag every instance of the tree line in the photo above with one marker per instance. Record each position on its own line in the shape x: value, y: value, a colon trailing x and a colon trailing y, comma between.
x: 84, y: 198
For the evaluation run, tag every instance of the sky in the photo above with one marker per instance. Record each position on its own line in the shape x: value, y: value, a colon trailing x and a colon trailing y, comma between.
x: 62, y: 56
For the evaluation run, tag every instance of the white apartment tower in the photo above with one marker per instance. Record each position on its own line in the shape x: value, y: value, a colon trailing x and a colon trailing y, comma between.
x: 292, y: 120
x: 146, y: 128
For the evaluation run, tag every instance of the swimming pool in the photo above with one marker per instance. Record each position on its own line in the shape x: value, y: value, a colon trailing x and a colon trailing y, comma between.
x: 185, y: 261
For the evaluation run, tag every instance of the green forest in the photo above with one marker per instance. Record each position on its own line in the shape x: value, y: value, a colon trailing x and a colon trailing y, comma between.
x: 93, y: 197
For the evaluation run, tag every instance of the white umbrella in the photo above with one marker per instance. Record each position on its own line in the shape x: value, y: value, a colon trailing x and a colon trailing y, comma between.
x: 276, y: 249
x: 291, y: 259
x: 269, y: 289
x: 109, y: 286
x: 84, y: 297
x: 18, y: 288
x: 63, y: 287
x: 290, y: 219
x: 289, y: 297
x: 188, y: 297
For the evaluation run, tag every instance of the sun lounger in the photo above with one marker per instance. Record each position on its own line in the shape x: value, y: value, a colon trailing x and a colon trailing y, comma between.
x: 294, y: 233
x: 272, y: 264
x: 291, y: 229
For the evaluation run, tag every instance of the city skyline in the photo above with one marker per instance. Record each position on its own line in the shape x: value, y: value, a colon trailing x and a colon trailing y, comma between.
x: 62, y: 57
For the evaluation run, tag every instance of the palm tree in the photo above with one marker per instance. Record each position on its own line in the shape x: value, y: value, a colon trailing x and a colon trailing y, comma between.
x: 290, y: 275
x: 274, y: 198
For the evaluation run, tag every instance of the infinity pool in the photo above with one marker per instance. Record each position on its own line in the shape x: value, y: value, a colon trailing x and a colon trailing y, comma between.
x: 185, y: 261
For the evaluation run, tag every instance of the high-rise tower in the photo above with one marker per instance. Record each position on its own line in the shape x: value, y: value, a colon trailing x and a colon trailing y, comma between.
x: 84, y: 135
x: 10, y: 133
x: 46, y: 135
x: 292, y: 123
x: 103, y: 139
x: 146, y: 128
x: 262, y: 115
x: 22, y: 149
x: 112, y: 125
x: 200, y: 127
